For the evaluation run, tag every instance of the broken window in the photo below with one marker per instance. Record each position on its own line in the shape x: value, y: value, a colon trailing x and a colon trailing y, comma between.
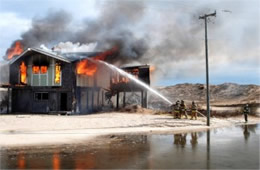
x: 23, y: 73
x: 39, y: 69
x: 57, y: 73
x: 41, y: 96
x: 44, y: 69
x: 36, y: 69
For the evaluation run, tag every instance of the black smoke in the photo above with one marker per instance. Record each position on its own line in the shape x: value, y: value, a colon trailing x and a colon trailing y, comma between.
x: 111, y: 29
x: 166, y: 34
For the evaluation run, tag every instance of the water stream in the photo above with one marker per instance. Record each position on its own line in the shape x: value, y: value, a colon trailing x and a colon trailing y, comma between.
x: 131, y: 77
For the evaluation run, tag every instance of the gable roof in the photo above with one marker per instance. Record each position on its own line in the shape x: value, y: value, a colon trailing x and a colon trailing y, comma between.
x: 79, y: 55
x: 47, y: 53
x: 66, y: 57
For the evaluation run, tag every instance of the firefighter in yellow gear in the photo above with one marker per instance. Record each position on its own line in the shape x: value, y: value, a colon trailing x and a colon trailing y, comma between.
x: 183, y: 110
x: 193, y: 110
x: 177, y: 110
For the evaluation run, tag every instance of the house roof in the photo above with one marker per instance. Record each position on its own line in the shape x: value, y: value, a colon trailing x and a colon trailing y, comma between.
x: 66, y: 57
x: 79, y: 55
x: 37, y: 50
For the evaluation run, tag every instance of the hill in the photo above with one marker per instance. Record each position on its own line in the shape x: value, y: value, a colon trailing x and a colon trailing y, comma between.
x: 227, y: 94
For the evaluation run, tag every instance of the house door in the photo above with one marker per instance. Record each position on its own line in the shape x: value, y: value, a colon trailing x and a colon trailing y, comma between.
x: 63, y: 101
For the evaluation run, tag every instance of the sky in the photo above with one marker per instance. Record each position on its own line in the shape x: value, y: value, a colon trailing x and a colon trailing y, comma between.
x: 169, y: 32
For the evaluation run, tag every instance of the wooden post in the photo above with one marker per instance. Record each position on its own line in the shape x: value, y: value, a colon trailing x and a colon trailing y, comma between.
x: 124, y: 99
x: 8, y: 100
x: 117, y: 100
x: 92, y: 98
x: 79, y: 98
x: 102, y: 98
x: 98, y: 104
x: 205, y: 17
x: 142, y: 98
x: 87, y: 100
x: 145, y: 99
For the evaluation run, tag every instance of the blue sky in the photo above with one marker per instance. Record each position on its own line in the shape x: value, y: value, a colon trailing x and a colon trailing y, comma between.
x: 234, y: 38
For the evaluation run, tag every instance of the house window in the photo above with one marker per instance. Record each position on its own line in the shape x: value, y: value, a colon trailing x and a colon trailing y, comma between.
x: 57, y: 73
x: 41, y: 96
x: 36, y: 69
x: 44, y: 69
x: 39, y: 69
x: 23, y: 73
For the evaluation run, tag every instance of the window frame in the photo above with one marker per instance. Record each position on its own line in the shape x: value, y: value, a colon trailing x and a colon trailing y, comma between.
x: 42, y: 97
x: 40, y: 70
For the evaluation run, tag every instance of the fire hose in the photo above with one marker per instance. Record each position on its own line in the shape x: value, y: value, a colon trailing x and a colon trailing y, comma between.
x: 201, y: 114
x: 198, y: 112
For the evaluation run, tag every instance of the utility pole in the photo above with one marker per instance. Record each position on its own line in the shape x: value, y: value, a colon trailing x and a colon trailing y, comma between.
x: 205, y: 17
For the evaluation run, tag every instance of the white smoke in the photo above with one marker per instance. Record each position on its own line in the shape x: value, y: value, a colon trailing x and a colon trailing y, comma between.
x: 69, y: 47
x: 43, y: 47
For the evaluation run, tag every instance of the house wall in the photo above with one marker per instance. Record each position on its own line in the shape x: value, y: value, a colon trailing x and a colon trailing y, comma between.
x: 90, y: 90
x: 23, y: 96
x: 14, y: 73
x: 89, y: 99
x: 47, y: 79
x: 23, y: 100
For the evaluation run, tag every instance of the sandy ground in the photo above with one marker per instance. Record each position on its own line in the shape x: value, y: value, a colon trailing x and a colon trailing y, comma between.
x: 26, y: 130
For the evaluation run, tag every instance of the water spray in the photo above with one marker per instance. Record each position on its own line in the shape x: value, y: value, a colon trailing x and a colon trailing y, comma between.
x: 122, y: 72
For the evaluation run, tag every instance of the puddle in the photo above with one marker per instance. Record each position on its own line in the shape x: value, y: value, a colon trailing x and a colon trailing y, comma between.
x: 223, y: 148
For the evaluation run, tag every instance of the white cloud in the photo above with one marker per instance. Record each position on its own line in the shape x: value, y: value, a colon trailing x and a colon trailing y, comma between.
x: 11, y: 27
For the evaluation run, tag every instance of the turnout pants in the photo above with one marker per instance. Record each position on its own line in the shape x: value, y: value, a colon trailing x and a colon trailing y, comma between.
x: 194, y: 114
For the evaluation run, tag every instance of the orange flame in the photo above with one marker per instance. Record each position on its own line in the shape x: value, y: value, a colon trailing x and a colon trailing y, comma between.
x: 57, y: 73
x: 16, y: 49
x: 44, y: 69
x: 36, y: 69
x: 125, y: 80
x: 86, y: 67
x: 23, y: 73
x: 152, y: 69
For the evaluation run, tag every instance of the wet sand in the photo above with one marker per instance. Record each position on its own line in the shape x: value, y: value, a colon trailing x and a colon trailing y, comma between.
x: 28, y: 130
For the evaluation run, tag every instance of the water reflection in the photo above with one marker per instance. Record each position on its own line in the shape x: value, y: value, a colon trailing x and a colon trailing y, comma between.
x: 181, y: 139
x: 208, y: 149
x: 56, y: 160
x: 85, y: 161
x: 194, y: 139
x: 247, y: 129
x: 200, y: 150
x: 21, y: 160
x: 246, y: 132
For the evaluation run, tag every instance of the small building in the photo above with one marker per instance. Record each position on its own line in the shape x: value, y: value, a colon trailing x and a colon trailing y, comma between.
x: 45, y: 82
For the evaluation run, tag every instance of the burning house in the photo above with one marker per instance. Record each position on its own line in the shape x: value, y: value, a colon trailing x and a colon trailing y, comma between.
x: 45, y: 81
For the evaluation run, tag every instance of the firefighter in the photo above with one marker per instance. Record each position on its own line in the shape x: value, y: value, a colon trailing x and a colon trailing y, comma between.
x: 183, y: 110
x: 246, y: 111
x: 177, y: 110
x: 193, y: 110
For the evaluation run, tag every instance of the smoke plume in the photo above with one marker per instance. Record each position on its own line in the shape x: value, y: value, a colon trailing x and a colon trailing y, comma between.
x: 167, y: 35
